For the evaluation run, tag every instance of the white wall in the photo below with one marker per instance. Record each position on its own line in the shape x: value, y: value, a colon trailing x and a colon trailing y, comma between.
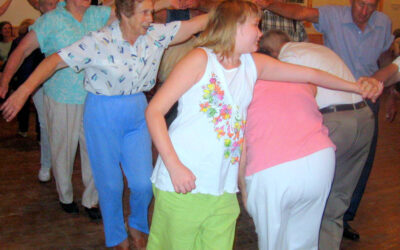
x: 18, y: 11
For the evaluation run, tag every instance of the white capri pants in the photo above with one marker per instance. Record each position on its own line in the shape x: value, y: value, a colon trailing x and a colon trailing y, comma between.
x: 287, y: 201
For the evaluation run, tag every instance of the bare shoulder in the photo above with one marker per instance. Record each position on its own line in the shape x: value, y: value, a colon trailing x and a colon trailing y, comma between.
x: 261, y: 60
x: 198, y: 55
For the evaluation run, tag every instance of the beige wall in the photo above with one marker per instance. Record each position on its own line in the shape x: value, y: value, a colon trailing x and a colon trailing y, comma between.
x: 18, y: 11
x: 392, y: 9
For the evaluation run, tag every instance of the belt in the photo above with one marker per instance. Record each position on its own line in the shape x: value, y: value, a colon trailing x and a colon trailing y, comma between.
x: 343, y: 107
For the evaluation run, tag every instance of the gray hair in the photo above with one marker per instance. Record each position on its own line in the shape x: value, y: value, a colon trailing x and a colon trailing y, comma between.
x: 272, y: 41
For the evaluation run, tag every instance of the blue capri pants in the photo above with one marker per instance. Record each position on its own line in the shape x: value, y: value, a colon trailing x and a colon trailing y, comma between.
x: 118, y: 142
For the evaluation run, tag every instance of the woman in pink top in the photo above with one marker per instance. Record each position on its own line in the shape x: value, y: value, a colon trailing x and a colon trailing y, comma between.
x: 290, y: 165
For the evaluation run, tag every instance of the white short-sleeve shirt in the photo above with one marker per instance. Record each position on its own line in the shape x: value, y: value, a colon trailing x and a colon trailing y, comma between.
x: 115, y: 67
x: 322, y: 58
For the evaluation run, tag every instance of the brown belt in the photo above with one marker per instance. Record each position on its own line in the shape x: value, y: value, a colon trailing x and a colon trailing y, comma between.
x: 343, y: 107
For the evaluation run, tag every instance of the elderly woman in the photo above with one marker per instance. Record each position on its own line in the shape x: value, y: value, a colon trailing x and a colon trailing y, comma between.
x: 64, y: 94
x: 121, y: 61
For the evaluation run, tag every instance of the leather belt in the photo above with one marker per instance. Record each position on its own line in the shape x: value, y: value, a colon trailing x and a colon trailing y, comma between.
x: 343, y: 107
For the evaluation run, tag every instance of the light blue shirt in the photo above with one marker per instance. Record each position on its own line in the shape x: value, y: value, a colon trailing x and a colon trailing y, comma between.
x: 115, y: 67
x: 58, y: 29
x: 359, y: 50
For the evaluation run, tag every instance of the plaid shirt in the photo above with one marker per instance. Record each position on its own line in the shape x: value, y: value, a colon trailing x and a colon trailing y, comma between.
x: 295, y: 29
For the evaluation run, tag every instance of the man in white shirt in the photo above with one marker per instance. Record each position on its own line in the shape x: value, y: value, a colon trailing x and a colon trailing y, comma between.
x: 350, y: 122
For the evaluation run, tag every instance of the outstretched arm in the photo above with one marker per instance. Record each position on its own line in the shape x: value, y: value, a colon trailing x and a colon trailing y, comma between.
x: 186, y: 73
x: 28, y: 44
x: 46, y: 68
x: 292, y: 11
x: 189, y: 28
x: 272, y: 69
x: 242, y: 175
x: 387, y: 72
x: 5, y: 6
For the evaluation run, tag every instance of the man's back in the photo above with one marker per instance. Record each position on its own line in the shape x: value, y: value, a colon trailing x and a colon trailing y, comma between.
x: 322, y: 58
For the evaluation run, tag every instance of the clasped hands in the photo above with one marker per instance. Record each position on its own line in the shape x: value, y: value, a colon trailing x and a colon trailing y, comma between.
x: 369, y: 88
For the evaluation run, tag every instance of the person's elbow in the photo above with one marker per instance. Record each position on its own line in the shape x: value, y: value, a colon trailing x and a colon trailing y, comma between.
x: 150, y: 113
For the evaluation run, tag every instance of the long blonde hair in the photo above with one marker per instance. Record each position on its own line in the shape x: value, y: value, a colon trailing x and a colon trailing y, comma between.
x: 220, y: 33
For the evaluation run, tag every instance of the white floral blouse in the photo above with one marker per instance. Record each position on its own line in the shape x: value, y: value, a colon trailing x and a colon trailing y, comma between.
x: 115, y: 67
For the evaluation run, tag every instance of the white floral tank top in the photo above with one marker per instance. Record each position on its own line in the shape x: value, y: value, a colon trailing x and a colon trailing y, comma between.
x: 207, y: 134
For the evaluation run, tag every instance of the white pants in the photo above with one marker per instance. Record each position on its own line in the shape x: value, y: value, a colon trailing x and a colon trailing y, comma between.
x: 45, y: 155
x: 65, y: 127
x: 286, y: 201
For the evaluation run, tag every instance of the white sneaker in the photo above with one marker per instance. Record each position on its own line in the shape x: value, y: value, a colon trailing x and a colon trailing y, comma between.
x: 44, y: 175
x: 22, y: 134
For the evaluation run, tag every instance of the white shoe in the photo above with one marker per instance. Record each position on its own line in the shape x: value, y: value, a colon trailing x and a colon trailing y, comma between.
x: 22, y: 134
x: 44, y: 175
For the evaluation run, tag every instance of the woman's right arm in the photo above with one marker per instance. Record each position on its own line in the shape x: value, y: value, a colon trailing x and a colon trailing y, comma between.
x: 28, y: 44
x: 185, y: 74
x: 46, y: 68
x: 271, y: 69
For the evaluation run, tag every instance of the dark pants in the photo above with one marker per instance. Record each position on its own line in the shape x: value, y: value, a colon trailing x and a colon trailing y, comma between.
x: 362, y: 182
x: 23, y: 118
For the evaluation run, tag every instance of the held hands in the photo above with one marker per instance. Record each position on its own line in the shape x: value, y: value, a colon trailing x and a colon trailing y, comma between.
x: 14, y: 103
x: 369, y: 88
x: 182, y: 179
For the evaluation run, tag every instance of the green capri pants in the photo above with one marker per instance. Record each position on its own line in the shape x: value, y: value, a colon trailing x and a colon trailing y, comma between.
x: 193, y: 221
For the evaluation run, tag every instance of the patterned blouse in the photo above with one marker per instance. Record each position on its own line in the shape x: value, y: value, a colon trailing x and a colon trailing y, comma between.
x: 115, y: 67
x: 58, y: 29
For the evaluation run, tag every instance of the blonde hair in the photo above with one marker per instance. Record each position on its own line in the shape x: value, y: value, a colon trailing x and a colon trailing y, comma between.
x: 220, y: 33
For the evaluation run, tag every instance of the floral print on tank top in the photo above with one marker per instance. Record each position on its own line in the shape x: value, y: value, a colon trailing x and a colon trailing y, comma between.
x: 227, y: 126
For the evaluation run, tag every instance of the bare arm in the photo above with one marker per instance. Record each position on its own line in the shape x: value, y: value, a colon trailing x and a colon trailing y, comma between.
x: 186, y: 73
x: 189, y: 28
x: 28, y: 44
x: 108, y: 2
x: 271, y: 69
x: 5, y: 6
x: 386, y: 73
x: 46, y: 68
x: 174, y: 4
x: 242, y: 174
x: 113, y: 16
x: 292, y: 11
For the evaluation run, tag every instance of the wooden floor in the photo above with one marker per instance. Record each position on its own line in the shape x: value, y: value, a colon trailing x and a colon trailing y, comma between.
x: 30, y: 216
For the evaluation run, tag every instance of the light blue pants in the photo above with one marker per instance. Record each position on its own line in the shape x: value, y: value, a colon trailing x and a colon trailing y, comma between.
x: 118, y: 142
x: 45, y: 154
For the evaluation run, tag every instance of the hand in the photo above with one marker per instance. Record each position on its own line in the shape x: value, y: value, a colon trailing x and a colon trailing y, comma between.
x: 182, y: 179
x: 370, y: 88
x: 14, y: 103
x: 391, y: 107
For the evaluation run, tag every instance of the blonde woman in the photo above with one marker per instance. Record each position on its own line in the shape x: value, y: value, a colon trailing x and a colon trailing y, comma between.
x: 200, y: 154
